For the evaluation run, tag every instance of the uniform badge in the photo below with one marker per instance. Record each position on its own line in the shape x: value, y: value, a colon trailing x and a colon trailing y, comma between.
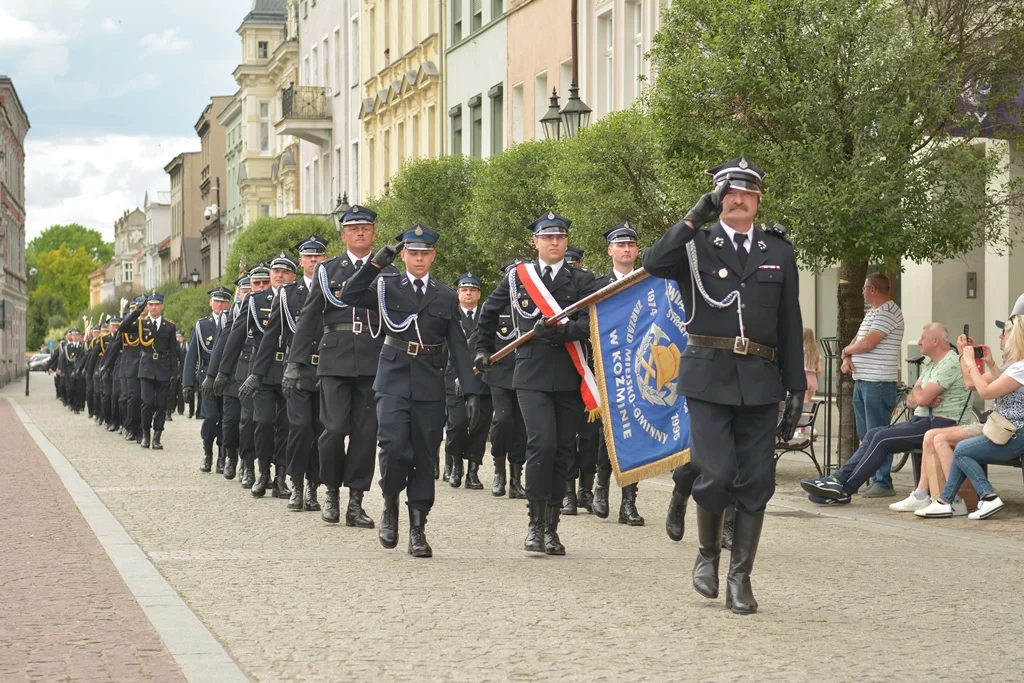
x: 209, y: 339
x: 419, y: 231
x: 504, y: 330
x: 551, y: 215
x: 762, y: 246
x: 743, y: 163
x: 718, y: 241
x: 723, y: 273
x: 524, y: 303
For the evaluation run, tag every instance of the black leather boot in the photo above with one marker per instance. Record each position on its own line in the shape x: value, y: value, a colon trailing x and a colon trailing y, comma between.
x: 676, y: 517
x: 585, y: 493
x: 332, y: 506
x: 709, y: 551
x: 388, y: 533
x: 295, y: 500
x: 738, y: 595
x: 144, y: 441
x: 280, y: 489
x: 499, y: 482
x: 418, y: 546
x: 138, y: 437
x: 259, y: 487
x: 437, y: 467
x: 535, y: 532
x: 169, y: 417
x: 552, y: 545
x: 729, y: 528
x: 220, y: 460
x: 569, y: 499
x: 455, y: 478
x: 627, y: 508
x: 355, y: 515
x: 311, y: 504
x: 207, y: 457
x: 473, y: 477
x: 248, y: 477
x: 447, y: 466
x: 515, y: 482
x: 231, y: 464
x: 156, y: 445
x: 601, y: 494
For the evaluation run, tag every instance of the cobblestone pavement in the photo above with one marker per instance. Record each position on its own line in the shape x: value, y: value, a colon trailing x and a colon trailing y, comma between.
x: 65, y: 613
x: 861, y: 597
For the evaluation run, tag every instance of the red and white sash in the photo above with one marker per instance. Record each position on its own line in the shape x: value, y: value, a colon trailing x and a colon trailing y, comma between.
x: 538, y: 291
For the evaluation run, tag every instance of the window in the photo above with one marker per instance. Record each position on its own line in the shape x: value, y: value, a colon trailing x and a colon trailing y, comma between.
x: 476, y: 130
x: 636, y: 66
x: 476, y: 10
x: 414, y: 21
x: 314, y: 63
x: 388, y: 40
x: 496, y: 95
x: 353, y: 176
x: 337, y: 174
x: 564, y: 78
x: 353, y: 51
x: 400, y: 28
x: 306, y: 73
x: 372, y: 56
x: 264, y: 210
x: 316, y: 184
x: 264, y: 109
x: 497, y: 8
x: 414, y: 125
x: 455, y: 113
x: 456, y: 21
x: 517, y: 113
x: 400, y: 144
x: 387, y: 156
x: 325, y: 64
x: 371, y: 164
x: 307, y: 190
x: 128, y: 271
x: 541, y: 102
x: 431, y: 132
x: 338, y: 85
x: 606, y: 65
x: 262, y: 49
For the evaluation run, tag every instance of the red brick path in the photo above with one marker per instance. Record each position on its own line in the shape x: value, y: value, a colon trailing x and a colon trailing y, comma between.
x: 65, y: 613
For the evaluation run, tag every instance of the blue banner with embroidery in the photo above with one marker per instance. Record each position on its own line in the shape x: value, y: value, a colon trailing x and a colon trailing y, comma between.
x: 638, y: 334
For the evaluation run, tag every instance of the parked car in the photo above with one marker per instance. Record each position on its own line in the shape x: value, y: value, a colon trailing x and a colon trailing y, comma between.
x: 38, y: 361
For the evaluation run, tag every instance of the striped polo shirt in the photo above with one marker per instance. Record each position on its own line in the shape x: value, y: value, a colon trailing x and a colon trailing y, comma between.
x: 882, y: 363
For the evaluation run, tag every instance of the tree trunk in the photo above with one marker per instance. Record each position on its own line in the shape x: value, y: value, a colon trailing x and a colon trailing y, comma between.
x: 850, y: 315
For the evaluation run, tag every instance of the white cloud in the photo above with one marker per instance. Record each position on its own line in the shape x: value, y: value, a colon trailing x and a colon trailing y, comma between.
x: 111, y: 26
x: 166, y: 42
x: 144, y: 81
x: 93, y: 180
x: 16, y: 33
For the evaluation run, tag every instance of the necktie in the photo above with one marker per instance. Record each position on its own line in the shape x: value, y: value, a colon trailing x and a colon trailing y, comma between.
x: 470, y: 314
x: 418, y: 284
x: 547, y: 276
x: 359, y: 263
x: 740, y: 239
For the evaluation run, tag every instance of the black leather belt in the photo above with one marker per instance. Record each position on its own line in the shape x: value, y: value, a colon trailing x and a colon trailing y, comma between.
x: 414, y: 348
x: 355, y: 328
x: 738, y: 345
x: 157, y: 356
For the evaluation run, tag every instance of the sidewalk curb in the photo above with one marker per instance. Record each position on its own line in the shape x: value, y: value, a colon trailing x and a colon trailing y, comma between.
x: 195, y: 650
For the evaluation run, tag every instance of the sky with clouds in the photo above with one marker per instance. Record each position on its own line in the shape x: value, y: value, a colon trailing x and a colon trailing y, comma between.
x: 112, y: 89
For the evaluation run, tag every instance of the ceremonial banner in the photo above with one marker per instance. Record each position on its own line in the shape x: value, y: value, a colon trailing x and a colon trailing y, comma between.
x: 638, y: 334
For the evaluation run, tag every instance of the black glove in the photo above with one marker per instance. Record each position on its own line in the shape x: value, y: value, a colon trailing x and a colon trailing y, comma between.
x: 708, y: 207
x: 791, y: 415
x: 221, y: 383
x: 207, y: 388
x: 542, y: 331
x: 482, y: 362
x: 290, y: 381
x: 472, y: 410
x: 386, y: 255
x: 188, y: 393
x: 250, y: 387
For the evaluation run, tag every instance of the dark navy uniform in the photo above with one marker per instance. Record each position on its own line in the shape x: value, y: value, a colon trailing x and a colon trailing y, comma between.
x: 732, y: 377
x: 122, y: 361
x: 200, y: 347
x: 422, y: 329
x: 158, y: 363
x: 230, y: 406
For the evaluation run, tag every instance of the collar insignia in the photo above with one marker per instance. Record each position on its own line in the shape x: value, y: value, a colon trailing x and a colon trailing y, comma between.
x: 762, y: 246
x: 718, y: 241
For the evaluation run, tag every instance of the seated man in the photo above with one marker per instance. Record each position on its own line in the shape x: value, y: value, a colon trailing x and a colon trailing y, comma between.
x: 938, y: 399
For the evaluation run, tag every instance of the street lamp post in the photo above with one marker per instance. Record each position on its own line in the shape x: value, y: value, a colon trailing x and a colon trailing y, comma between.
x: 552, y: 119
x: 195, y: 277
x: 576, y: 114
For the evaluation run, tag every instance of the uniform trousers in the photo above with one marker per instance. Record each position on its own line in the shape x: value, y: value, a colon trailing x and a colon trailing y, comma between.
x: 409, y: 433
x: 732, y: 449
x: 131, y: 396
x: 552, y: 421
x: 90, y: 395
x: 508, y: 431
x: 154, y: 403
x: 347, y: 409
x: 231, y: 416
x: 270, y: 418
x: 304, y: 429
x: 78, y: 397
x: 246, y: 433
x: 589, y: 450
x: 114, y: 400
x: 460, y: 441
x: 210, y: 430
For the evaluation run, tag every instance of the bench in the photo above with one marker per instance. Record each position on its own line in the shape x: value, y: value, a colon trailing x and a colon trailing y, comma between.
x: 808, y: 417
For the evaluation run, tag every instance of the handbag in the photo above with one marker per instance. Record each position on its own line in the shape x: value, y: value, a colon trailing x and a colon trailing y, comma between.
x: 998, y: 429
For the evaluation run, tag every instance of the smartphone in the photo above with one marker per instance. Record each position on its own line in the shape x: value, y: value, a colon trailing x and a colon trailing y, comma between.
x: 967, y: 331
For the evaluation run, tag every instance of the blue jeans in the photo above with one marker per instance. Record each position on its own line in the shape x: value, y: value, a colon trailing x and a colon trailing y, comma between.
x: 872, y: 407
x: 967, y: 459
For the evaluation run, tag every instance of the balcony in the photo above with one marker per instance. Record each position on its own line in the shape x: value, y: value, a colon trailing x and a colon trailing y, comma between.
x: 305, y: 114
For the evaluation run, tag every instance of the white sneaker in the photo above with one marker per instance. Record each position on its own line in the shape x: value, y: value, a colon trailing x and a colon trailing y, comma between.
x: 935, y: 509
x: 959, y: 507
x: 986, y: 508
x: 911, y: 503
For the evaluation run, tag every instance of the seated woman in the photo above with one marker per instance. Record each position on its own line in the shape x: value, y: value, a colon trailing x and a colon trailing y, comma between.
x: 938, y: 444
x: 1006, y: 386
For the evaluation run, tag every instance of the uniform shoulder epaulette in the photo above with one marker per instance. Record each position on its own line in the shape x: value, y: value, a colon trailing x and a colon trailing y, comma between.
x: 778, y: 230
x: 171, y: 321
x: 389, y: 273
x: 578, y: 267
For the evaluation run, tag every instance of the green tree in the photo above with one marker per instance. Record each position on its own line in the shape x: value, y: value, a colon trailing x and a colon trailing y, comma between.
x: 851, y: 106
x: 45, y: 310
x: 266, y: 237
x: 72, y: 236
x: 65, y: 273
x: 611, y: 173
x: 511, y: 190
x: 437, y: 193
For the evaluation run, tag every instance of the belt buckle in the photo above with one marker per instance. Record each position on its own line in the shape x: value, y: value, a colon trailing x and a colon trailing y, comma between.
x: 279, y: 356
x: 357, y: 327
x: 314, y: 359
x: 412, y: 348
x: 156, y: 356
x: 739, y: 346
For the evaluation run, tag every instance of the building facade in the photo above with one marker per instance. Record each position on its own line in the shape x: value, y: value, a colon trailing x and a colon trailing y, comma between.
x: 474, y: 78
x: 401, y: 89
x: 129, y: 240
x: 539, y: 60
x: 14, y: 127
x: 187, y: 209
x: 232, y: 215
x: 213, y: 147
x: 157, y: 207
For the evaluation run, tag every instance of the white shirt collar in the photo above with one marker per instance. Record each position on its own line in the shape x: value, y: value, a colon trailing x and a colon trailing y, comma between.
x: 157, y: 321
x: 555, y: 267
x: 467, y: 311
x: 352, y: 258
x: 410, y: 277
x: 308, y: 281
x: 617, y: 275
x: 731, y: 232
